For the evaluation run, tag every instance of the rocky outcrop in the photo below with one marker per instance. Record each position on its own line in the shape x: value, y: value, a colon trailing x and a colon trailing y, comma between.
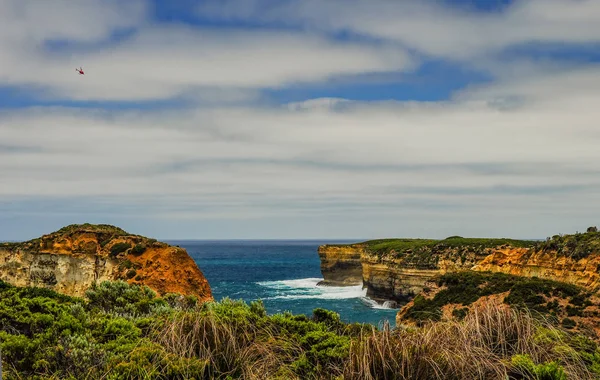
x: 401, y: 277
x: 341, y: 265
x: 71, y: 259
x: 395, y: 273
x: 398, y: 269
x: 545, y: 264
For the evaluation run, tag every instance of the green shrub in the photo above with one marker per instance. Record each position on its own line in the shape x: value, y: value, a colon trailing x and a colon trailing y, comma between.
x: 179, y: 301
x: 138, y: 249
x: 568, y: 323
x: 524, y: 366
x: 119, y: 248
x: 123, y: 331
x: 575, y: 246
x: 258, y: 307
x: 130, y: 274
x: 460, y: 313
x: 121, y: 298
x: 529, y: 293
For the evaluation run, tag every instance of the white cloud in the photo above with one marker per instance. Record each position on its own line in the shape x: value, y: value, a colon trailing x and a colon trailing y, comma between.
x: 320, y: 153
x: 32, y: 22
x: 428, y: 26
x: 163, y: 61
x: 494, y: 159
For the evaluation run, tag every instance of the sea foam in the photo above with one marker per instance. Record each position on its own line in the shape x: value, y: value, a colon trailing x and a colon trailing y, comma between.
x: 307, y: 288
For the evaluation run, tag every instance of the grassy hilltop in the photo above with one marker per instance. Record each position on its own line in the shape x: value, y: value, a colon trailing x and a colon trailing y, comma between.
x: 575, y: 245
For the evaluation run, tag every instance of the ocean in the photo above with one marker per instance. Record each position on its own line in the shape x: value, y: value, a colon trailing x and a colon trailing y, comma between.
x: 284, y: 274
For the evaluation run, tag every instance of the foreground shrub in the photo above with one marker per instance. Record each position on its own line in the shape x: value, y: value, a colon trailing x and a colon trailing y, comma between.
x: 492, y: 342
x: 121, y: 298
x: 125, y: 332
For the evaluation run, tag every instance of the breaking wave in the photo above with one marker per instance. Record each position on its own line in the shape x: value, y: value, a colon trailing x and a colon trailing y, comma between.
x: 307, y: 288
x: 387, y: 305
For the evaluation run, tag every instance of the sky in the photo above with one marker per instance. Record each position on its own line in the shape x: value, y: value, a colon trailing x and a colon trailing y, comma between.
x: 283, y: 119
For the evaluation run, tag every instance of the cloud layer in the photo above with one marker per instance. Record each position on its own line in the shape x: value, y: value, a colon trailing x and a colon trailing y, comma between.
x: 517, y: 156
x: 154, y: 61
x: 428, y: 26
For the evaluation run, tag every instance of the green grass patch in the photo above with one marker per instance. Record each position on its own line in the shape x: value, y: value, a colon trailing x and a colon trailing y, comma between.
x: 576, y: 246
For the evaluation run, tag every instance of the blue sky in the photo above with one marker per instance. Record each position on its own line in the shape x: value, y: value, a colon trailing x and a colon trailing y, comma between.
x: 300, y: 119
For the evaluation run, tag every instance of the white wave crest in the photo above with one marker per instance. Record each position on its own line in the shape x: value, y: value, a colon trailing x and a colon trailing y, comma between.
x: 306, y: 288
x: 387, y: 305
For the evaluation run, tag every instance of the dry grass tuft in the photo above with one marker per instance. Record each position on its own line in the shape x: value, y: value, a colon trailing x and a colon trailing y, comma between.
x: 481, y: 346
x: 229, y: 347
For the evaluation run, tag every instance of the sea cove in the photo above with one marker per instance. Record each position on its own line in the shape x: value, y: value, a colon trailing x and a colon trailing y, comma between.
x: 284, y: 274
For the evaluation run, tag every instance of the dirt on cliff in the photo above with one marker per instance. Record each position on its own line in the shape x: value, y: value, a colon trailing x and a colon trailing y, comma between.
x: 109, y: 253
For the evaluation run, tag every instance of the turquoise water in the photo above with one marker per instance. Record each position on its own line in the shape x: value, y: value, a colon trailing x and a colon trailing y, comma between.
x: 284, y: 274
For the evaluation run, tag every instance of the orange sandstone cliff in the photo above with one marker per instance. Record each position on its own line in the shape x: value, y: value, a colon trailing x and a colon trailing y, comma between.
x: 71, y: 259
x: 341, y: 265
x: 398, y: 269
x: 543, y: 263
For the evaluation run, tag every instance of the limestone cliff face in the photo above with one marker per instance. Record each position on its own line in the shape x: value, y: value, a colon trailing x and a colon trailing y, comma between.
x: 341, y: 265
x: 71, y: 259
x: 400, y: 278
x: 398, y: 269
x: 393, y: 275
x: 545, y: 264
x: 64, y: 273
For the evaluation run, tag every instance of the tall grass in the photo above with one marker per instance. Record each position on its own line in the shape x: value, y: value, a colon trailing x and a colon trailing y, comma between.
x: 490, y: 343
x: 49, y: 336
x: 229, y: 347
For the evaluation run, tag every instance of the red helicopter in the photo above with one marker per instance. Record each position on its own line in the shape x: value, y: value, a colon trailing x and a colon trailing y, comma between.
x: 80, y: 71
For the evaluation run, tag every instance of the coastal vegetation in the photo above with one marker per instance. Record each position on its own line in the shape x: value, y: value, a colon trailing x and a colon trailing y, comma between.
x: 577, y: 246
x: 123, y: 331
x: 383, y: 246
x: 426, y: 253
x: 556, y: 301
x: 463, y: 324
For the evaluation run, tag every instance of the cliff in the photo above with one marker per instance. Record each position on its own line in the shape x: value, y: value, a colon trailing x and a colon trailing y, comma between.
x: 341, y: 265
x: 545, y: 264
x: 454, y: 295
x: 72, y: 258
x: 398, y: 269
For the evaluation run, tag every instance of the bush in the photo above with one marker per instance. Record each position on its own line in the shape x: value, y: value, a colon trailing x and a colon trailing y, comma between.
x: 119, y: 248
x: 528, y: 293
x: 138, y: 249
x: 460, y: 313
x: 524, y: 366
x: 491, y: 342
x: 130, y: 274
x: 120, y: 298
x: 124, y: 332
x: 568, y: 323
